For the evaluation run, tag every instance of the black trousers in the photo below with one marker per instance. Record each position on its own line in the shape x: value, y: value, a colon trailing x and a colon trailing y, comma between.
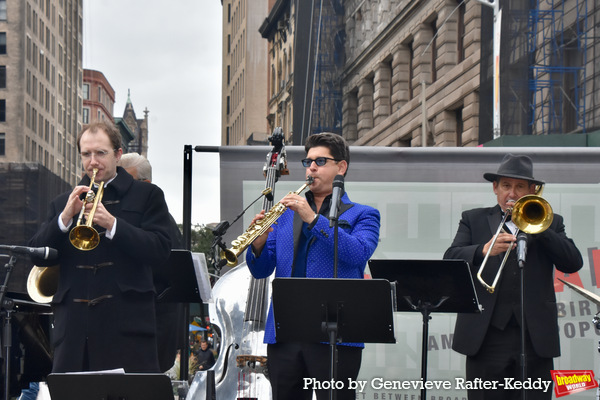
x: 500, y: 358
x: 290, y: 363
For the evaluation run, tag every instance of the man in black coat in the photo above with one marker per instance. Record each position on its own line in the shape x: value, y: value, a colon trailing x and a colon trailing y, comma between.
x: 104, y: 316
x: 492, y: 340
x: 169, y: 315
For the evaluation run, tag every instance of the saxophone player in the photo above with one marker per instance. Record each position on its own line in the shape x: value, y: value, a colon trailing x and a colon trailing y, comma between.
x: 301, y: 245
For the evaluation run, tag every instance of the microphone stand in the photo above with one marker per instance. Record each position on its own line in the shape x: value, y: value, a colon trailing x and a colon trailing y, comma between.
x: 523, y: 333
x: 333, y: 330
x: 7, y: 308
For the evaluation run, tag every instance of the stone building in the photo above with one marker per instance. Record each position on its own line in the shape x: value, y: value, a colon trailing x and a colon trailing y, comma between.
x: 414, y: 69
x: 423, y: 69
x: 98, y: 97
x: 137, y: 127
x: 279, y: 30
x: 244, y: 78
x: 40, y: 84
x: 401, y: 84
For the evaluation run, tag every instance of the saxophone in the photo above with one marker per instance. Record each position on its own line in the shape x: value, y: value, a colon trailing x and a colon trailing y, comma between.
x: 258, y: 228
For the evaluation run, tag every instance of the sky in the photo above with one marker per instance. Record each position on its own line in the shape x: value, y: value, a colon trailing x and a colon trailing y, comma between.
x: 167, y: 54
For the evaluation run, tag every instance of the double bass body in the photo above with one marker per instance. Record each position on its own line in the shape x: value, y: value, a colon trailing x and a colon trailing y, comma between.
x: 239, y: 339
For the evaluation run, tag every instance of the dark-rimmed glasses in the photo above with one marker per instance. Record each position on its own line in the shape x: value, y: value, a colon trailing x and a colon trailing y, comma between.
x: 320, y: 161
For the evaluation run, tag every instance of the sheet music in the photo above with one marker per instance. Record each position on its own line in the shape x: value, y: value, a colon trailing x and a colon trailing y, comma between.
x: 202, y: 277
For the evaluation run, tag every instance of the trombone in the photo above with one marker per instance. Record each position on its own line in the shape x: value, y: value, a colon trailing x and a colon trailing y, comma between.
x: 84, y: 236
x: 531, y: 214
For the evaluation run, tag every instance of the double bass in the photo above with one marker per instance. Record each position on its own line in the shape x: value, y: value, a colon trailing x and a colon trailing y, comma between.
x: 239, y: 312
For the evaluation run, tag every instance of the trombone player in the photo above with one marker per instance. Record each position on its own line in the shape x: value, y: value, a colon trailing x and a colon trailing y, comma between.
x: 104, y: 315
x: 491, y: 340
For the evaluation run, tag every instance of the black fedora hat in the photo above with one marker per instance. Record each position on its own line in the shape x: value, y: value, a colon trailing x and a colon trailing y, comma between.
x: 514, y: 166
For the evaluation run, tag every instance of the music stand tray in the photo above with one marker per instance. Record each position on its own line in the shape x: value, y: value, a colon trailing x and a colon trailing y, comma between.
x: 181, y: 277
x: 110, y: 386
x: 302, y: 306
x: 429, y: 281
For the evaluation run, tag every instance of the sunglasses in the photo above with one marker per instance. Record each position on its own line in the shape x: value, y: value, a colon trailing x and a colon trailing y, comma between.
x: 320, y: 161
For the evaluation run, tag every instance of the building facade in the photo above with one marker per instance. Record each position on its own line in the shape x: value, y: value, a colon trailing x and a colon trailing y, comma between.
x: 98, y: 97
x: 244, y: 79
x: 40, y: 83
x: 279, y: 31
x: 412, y: 72
x: 137, y: 127
x: 420, y: 73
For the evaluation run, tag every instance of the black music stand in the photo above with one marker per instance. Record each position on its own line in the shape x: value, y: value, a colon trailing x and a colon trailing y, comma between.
x: 180, y: 275
x: 429, y: 286
x: 99, y: 386
x: 310, y: 310
x: 181, y: 287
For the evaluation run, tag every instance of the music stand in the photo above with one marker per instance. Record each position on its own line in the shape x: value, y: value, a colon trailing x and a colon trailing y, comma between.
x: 181, y: 287
x: 429, y: 286
x: 99, y: 386
x: 310, y: 310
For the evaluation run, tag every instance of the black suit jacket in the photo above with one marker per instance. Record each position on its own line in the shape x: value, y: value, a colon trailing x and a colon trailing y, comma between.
x: 120, y: 330
x: 545, y: 251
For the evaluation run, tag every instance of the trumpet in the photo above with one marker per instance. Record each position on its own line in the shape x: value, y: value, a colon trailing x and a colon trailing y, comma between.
x: 84, y: 236
x: 258, y: 228
x: 531, y: 214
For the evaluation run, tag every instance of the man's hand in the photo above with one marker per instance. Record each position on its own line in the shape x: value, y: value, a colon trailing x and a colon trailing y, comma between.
x: 503, y: 243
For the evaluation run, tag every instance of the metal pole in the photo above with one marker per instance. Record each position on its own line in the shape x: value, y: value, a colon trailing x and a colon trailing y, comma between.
x: 187, y: 239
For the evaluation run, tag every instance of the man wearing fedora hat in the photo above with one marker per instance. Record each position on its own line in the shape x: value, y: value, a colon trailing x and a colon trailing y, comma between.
x: 491, y: 340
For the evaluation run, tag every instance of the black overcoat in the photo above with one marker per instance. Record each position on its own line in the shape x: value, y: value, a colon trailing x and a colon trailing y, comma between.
x: 105, y: 296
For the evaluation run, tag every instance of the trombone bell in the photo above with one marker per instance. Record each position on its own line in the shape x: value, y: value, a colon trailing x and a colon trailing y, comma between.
x: 532, y: 214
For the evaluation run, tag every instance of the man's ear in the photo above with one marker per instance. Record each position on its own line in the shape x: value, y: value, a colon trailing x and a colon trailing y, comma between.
x: 342, y: 167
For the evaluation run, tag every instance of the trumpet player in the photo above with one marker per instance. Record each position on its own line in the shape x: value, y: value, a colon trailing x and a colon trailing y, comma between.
x: 492, y: 339
x: 301, y: 245
x: 104, y: 315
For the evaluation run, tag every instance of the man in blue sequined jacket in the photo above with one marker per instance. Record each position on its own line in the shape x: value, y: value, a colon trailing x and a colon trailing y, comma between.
x: 301, y: 244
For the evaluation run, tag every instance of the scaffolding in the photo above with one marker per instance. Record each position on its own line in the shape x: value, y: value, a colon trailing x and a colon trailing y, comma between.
x: 329, y: 36
x: 557, y: 49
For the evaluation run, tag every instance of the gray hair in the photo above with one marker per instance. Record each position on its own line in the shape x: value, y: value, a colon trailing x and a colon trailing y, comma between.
x: 141, y: 163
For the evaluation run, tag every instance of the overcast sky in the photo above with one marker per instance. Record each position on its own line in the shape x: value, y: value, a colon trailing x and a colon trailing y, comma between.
x: 168, y: 54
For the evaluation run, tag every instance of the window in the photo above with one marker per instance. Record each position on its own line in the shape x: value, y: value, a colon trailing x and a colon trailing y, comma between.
x: 2, y: 144
x: 2, y: 76
x: 460, y: 44
x: 2, y: 10
x: 86, y: 91
x: 2, y: 42
x: 434, y: 51
x: 2, y: 110
x: 86, y: 115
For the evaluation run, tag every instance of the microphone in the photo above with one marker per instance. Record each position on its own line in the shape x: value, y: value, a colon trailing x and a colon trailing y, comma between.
x: 46, y: 253
x: 521, y: 248
x: 338, y: 192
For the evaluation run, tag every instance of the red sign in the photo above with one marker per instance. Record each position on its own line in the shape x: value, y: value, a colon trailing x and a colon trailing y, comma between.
x: 572, y: 381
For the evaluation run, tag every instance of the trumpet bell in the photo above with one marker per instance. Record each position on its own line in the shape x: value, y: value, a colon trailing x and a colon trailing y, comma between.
x: 42, y: 283
x: 532, y: 214
x: 84, y: 237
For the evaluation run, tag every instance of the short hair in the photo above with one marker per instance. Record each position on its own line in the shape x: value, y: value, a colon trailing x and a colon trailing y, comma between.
x: 107, y: 127
x: 141, y: 163
x: 337, y: 145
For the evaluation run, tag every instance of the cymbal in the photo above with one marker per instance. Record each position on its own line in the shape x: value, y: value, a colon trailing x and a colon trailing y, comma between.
x: 585, y: 293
